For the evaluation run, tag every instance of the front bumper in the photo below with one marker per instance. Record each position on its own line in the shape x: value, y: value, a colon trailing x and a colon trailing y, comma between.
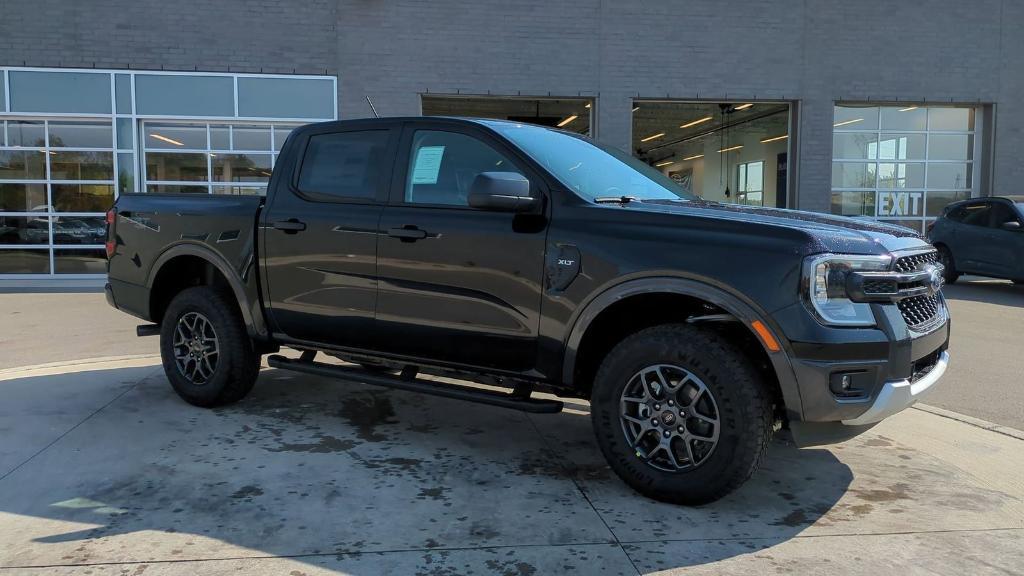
x: 897, y: 395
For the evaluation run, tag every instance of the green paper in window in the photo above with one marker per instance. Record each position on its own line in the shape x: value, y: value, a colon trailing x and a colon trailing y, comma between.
x: 428, y: 164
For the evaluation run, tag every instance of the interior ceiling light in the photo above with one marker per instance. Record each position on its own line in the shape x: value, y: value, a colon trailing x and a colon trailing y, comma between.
x: 695, y: 122
x: 665, y: 163
x: 652, y: 137
x: 731, y: 148
x: 635, y: 108
x: 774, y: 139
x: 166, y: 139
x: 908, y: 109
x: 744, y: 106
x: 567, y: 120
x: 845, y: 122
x: 694, y: 157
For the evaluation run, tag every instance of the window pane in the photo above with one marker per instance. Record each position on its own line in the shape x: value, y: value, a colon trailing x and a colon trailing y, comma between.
x: 950, y: 147
x: 67, y: 92
x: 220, y: 137
x: 22, y: 197
x: 26, y: 134
x: 938, y: 200
x: 123, y: 93
x: 915, y: 225
x: 755, y: 176
x: 285, y: 98
x: 80, y: 261
x: 949, y: 176
x: 24, y: 261
x: 901, y: 147
x: 443, y: 166
x: 280, y: 135
x: 79, y: 230
x: 241, y: 167
x: 904, y: 118
x: 900, y: 175
x: 343, y: 164
x: 82, y: 197
x: 978, y: 214
x: 961, y: 119
x: 126, y: 172
x: 241, y: 190
x: 177, y: 189
x: 176, y: 167
x: 853, y: 203
x: 22, y: 165
x: 80, y: 135
x: 177, y: 95
x: 81, y: 165
x: 3, y: 101
x: 176, y: 136
x: 855, y: 146
x: 856, y: 117
x: 24, y: 229
x: 124, y: 133
x: 853, y: 175
x: 251, y: 137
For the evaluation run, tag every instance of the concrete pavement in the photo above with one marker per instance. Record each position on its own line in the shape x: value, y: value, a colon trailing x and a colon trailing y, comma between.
x: 103, y: 470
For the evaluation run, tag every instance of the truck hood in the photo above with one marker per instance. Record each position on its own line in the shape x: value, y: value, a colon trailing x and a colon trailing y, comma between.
x: 840, y: 234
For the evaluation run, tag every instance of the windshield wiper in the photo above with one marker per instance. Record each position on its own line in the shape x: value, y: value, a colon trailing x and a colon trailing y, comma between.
x: 616, y: 199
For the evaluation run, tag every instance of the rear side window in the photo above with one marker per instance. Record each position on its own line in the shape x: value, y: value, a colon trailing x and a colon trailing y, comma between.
x: 344, y: 165
x: 977, y: 214
x: 956, y: 214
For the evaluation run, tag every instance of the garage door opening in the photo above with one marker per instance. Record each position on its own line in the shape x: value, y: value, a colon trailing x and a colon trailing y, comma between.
x: 572, y: 114
x: 735, y: 152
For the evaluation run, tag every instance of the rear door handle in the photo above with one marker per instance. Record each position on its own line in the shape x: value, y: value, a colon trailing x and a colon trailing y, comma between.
x: 407, y: 233
x: 290, y: 226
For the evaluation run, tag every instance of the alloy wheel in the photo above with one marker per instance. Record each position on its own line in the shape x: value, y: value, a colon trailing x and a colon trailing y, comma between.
x: 196, y: 349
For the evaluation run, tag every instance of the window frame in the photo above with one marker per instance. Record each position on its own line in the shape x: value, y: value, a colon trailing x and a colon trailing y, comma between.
x: 478, y: 132
x: 302, y: 147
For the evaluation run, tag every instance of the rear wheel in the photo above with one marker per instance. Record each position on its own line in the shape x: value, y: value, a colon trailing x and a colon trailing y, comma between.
x: 950, y: 274
x: 207, y: 354
x: 680, y: 414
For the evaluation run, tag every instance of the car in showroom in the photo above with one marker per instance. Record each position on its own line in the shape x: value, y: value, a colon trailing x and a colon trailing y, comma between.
x: 535, y: 260
x: 983, y: 237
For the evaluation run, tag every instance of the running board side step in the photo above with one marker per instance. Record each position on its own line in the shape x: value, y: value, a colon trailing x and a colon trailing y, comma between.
x: 516, y: 402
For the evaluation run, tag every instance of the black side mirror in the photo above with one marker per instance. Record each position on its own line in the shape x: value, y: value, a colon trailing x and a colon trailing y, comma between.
x: 1011, y: 225
x: 502, y: 192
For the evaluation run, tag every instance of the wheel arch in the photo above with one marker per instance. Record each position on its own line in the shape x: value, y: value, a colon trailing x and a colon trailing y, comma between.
x: 678, y: 289
x: 197, y: 264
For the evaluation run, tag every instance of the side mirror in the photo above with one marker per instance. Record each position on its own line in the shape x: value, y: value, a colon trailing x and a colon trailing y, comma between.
x: 1011, y: 225
x: 501, y: 192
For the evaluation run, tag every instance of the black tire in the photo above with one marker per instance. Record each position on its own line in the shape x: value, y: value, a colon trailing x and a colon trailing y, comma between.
x: 951, y: 274
x: 236, y: 364
x: 742, y: 402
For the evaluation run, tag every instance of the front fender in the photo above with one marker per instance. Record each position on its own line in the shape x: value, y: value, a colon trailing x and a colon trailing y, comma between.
x: 735, y: 304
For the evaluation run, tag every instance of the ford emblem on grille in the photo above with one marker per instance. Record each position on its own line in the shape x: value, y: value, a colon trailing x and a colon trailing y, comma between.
x: 935, y: 278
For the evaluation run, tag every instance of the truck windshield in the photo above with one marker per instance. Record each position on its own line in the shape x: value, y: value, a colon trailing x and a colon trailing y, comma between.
x: 591, y: 170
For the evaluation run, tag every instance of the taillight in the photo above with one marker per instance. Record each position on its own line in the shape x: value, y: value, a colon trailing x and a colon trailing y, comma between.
x: 111, y: 215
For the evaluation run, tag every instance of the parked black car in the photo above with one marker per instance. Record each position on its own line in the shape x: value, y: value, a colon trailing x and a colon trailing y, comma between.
x: 984, y: 236
x: 536, y: 260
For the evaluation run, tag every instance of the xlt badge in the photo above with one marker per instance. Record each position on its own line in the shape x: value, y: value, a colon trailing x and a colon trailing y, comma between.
x: 562, y: 267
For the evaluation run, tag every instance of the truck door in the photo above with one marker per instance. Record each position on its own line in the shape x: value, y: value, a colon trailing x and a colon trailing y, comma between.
x: 320, y: 235
x: 458, y: 284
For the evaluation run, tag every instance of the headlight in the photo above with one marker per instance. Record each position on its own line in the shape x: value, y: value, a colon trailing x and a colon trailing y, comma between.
x: 824, y: 285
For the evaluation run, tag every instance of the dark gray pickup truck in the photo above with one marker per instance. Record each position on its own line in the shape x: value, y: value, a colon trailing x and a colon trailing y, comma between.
x: 536, y: 260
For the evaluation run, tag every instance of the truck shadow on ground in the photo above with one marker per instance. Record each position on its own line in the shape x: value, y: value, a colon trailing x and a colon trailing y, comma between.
x: 312, y: 468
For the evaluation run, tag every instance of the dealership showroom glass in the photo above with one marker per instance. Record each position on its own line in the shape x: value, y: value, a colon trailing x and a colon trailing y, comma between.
x: 775, y: 116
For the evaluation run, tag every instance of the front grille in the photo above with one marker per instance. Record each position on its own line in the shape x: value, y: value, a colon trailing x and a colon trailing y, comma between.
x: 915, y: 262
x: 880, y: 286
x: 919, y: 312
x: 923, y: 366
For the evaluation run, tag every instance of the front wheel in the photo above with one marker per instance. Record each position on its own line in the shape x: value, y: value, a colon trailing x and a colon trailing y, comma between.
x: 680, y: 414
x: 950, y: 273
x: 207, y: 354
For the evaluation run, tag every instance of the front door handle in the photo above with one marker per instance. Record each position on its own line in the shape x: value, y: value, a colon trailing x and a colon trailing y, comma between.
x: 407, y: 233
x: 290, y: 226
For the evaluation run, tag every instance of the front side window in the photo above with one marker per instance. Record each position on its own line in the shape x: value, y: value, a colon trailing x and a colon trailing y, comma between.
x: 344, y: 164
x: 977, y: 214
x: 443, y: 165
x: 1001, y: 214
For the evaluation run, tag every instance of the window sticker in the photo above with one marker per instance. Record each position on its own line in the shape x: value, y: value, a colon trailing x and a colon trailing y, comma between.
x: 428, y: 164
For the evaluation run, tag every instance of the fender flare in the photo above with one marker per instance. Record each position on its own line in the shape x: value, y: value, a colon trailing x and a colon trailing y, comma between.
x: 732, y: 303
x: 251, y: 312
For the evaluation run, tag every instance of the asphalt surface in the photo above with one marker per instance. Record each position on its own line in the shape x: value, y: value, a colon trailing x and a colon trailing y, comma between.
x: 985, y: 379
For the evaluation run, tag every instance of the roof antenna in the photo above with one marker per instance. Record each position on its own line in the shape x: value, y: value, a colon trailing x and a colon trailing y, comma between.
x: 372, y: 109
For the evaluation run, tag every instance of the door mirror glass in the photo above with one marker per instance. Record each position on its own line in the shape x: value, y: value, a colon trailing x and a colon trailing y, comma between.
x: 501, y: 191
x: 1012, y: 225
